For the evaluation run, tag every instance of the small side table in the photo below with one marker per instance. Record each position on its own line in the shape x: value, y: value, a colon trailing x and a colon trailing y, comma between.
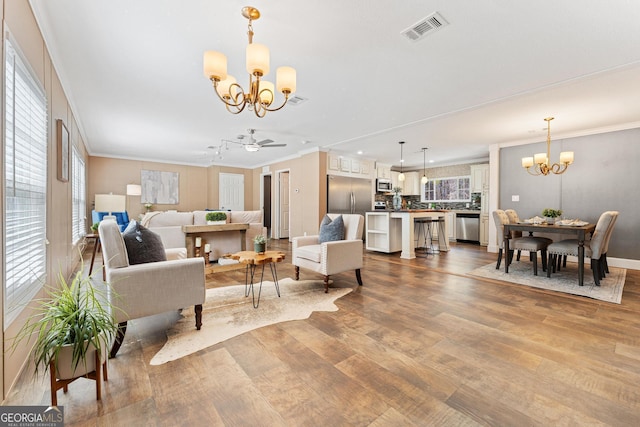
x: 96, y: 247
x: 253, y: 259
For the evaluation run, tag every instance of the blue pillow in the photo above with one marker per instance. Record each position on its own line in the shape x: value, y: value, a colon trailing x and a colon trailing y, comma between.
x: 331, y: 231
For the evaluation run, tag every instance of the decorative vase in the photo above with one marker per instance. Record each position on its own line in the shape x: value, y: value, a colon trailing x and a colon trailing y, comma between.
x: 216, y: 222
x: 550, y: 220
x: 397, y: 201
x: 259, y: 247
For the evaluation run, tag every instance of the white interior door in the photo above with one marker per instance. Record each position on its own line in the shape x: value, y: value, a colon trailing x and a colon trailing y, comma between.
x: 283, y: 193
x: 231, y: 191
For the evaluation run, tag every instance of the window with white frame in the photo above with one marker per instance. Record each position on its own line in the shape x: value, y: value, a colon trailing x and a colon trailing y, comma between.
x: 25, y: 181
x: 78, y: 209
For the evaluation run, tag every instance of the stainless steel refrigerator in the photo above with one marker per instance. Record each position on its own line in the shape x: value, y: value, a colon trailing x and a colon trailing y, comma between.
x: 349, y: 195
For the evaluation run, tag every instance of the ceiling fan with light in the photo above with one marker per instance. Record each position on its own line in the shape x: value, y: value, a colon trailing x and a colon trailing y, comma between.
x: 252, y: 145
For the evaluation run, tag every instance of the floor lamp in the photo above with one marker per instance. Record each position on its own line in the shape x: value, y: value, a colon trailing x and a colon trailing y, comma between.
x: 133, y: 190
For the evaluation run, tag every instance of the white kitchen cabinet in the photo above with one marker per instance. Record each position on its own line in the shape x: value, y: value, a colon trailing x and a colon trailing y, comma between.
x: 383, y: 233
x: 394, y: 180
x: 345, y: 166
x: 484, y: 230
x: 383, y: 171
x: 451, y: 226
x: 333, y: 162
x: 479, y: 178
x: 411, y: 185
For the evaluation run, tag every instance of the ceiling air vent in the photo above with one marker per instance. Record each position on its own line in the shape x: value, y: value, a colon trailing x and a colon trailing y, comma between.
x: 424, y: 27
x: 296, y: 100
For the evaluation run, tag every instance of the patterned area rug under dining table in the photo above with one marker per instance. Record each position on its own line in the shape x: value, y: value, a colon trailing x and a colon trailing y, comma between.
x: 566, y: 280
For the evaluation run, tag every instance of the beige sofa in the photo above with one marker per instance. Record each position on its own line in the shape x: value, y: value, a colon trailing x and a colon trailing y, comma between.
x: 169, y: 226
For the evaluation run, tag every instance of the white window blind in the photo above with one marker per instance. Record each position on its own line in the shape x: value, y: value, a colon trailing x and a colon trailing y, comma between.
x: 78, y: 210
x: 25, y: 162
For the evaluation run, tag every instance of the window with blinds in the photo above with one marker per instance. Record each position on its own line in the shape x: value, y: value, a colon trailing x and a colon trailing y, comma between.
x: 78, y: 209
x: 25, y: 162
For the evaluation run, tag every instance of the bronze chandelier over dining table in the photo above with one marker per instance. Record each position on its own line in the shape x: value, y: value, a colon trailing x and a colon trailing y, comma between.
x: 541, y: 160
x: 260, y: 94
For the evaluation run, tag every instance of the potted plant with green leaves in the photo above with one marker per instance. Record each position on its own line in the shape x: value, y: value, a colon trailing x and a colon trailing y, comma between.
x: 551, y: 214
x: 260, y: 243
x: 94, y: 227
x: 214, y: 218
x: 72, y: 329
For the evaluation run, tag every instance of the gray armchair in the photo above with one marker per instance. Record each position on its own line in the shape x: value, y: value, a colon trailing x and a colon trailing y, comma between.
x: 331, y: 257
x: 152, y: 288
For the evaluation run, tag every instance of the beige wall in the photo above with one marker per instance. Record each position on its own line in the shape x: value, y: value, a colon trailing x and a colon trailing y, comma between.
x: 62, y: 255
x: 199, y: 186
x: 308, y: 191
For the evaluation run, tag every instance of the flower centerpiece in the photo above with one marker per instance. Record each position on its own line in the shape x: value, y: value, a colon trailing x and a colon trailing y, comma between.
x: 551, y: 214
x: 148, y: 206
x: 260, y: 243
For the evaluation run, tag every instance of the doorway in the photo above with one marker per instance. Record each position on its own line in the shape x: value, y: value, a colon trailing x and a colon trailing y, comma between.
x: 231, y: 192
x: 266, y: 203
x: 282, y: 212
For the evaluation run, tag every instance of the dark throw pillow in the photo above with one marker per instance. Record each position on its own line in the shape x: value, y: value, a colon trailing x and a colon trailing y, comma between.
x: 331, y: 230
x: 143, y: 245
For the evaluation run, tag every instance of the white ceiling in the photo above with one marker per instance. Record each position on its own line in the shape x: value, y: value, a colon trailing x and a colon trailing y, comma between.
x: 132, y: 71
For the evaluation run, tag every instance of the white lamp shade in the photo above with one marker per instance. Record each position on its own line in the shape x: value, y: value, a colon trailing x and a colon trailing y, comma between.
x: 401, y: 177
x: 224, y: 87
x: 134, y: 190
x: 540, y: 158
x: 215, y: 65
x: 286, y: 79
x: 424, y: 179
x: 110, y: 203
x: 265, y: 92
x: 257, y: 59
x: 527, y: 162
x: 566, y: 157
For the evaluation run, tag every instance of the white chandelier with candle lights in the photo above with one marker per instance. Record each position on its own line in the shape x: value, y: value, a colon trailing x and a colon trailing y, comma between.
x: 260, y: 94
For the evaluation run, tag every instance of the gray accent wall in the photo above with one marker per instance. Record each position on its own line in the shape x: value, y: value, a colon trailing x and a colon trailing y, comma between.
x: 605, y: 176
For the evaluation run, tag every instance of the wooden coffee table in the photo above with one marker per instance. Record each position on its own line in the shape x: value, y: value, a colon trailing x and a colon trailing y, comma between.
x: 252, y: 260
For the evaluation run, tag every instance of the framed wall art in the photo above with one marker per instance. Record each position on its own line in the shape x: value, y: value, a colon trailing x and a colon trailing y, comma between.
x: 160, y: 188
x: 63, y: 151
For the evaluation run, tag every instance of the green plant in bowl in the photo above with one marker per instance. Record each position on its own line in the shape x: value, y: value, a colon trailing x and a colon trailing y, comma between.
x: 216, y: 216
x: 551, y: 213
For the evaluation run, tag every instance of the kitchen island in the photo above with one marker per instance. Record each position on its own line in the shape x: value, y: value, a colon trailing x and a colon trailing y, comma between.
x: 393, y: 230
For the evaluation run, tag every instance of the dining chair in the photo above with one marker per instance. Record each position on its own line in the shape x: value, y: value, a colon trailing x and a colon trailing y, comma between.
x: 595, y: 248
x: 514, y: 219
x: 531, y: 244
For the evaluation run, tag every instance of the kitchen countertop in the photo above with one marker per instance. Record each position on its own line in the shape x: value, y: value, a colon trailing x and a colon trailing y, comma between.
x: 429, y: 210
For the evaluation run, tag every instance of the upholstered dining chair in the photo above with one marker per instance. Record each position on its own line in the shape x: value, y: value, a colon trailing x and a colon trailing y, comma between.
x: 595, y: 248
x: 531, y: 244
x: 331, y: 257
x: 514, y: 219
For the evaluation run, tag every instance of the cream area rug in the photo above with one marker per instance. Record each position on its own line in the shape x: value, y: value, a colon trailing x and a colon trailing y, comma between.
x: 228, y: 313
x: 566, y: 280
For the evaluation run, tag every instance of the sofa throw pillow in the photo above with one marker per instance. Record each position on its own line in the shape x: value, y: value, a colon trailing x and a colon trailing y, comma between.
x: 331, y: 230
x: 143, y: 245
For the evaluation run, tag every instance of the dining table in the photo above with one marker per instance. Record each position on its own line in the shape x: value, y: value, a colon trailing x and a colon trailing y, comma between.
x: 580, y: 231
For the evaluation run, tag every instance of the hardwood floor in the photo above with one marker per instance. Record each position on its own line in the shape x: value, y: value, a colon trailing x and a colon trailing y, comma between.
x: 421, y: 343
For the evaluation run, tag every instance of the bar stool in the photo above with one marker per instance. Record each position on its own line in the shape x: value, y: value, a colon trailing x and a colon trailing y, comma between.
x: 423, y: 227
x: 442, y: 232
x: 419, y: 230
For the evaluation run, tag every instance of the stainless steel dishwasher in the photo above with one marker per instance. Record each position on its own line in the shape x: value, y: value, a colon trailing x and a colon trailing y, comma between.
x: 468, y: 227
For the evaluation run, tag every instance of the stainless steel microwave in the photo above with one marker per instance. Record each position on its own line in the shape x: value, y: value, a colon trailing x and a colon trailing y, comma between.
x: 383, y: 185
